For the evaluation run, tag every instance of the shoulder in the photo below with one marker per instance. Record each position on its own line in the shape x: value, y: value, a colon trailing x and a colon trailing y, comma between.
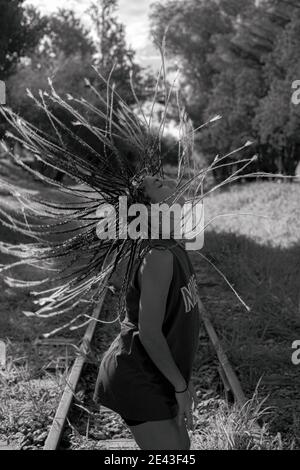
x: 157, y: 263
x: 158, y: 257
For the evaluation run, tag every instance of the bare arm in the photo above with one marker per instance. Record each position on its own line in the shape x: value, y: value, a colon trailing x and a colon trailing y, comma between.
x: 156, y: 275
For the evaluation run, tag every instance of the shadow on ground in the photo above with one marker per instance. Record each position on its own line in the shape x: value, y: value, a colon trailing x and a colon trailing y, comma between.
x: 259, y: 342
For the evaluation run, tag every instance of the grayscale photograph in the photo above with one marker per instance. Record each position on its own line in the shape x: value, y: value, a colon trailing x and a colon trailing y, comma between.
x: 150, y: 227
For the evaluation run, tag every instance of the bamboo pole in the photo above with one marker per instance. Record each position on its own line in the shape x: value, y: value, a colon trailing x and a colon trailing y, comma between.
x: 61, y: 414
x: 231, y: 377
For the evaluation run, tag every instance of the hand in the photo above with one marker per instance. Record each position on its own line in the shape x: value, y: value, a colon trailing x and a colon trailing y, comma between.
x: 184, y: 401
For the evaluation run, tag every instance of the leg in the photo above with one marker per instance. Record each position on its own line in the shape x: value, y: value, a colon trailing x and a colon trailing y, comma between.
x: 185, y: 436
x: 161, y: 435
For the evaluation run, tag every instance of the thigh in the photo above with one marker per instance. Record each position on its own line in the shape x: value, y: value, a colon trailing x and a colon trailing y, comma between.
x: 161, y: 435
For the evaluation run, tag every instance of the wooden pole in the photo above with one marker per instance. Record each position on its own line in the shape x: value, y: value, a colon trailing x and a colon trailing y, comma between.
x: 2, y: 354
x: 231, y: 377
x: 59, y: 420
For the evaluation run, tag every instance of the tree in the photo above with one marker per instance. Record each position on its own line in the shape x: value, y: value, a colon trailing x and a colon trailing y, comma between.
x: 64, y: 54
x: 20, y: 31
x: 277, y: 119
x: 112, y: 53
x: 239, y: 61
x: 66, y: 34
x: 193, y: 36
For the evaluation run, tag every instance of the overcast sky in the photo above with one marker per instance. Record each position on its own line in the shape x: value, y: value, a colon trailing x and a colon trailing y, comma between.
x: 132, y: 13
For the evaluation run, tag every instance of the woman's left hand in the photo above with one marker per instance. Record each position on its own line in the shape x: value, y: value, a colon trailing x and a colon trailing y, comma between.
x: 184, y: 401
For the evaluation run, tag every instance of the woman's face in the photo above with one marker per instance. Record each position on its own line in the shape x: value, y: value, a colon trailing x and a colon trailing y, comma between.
x: 161, y: 190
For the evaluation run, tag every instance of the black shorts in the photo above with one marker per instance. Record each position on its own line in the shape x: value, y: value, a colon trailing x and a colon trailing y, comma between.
x: 132, y: 422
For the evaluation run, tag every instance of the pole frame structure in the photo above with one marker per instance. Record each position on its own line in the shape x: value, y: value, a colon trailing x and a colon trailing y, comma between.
x: 226, y: 368
x: 57, y: 427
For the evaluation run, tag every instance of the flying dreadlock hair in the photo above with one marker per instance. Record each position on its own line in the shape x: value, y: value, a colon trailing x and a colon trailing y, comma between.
x: 104, y: 162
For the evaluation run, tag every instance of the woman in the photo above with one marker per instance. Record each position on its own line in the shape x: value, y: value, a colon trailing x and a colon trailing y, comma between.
x: 145, y: 374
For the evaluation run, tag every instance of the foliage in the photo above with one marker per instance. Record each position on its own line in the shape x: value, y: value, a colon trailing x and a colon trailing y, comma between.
x: 278, y: 119
x: 238, y: 61
x: 20, y: 31
x: 66, y: 53
x: 113, y: 56
x: 66, y: 34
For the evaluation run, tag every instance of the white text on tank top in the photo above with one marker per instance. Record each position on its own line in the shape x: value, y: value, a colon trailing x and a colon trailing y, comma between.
x: 190, y: 294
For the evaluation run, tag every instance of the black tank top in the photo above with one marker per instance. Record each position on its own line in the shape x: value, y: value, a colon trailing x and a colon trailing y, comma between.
x: 129, y: 382
x: 181, y: 323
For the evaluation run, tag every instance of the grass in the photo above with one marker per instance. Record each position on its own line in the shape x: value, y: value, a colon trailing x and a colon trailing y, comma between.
x: 231, y: 428
x: 260, y: 257
x: 277, y: 201
x: 27, y: 406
